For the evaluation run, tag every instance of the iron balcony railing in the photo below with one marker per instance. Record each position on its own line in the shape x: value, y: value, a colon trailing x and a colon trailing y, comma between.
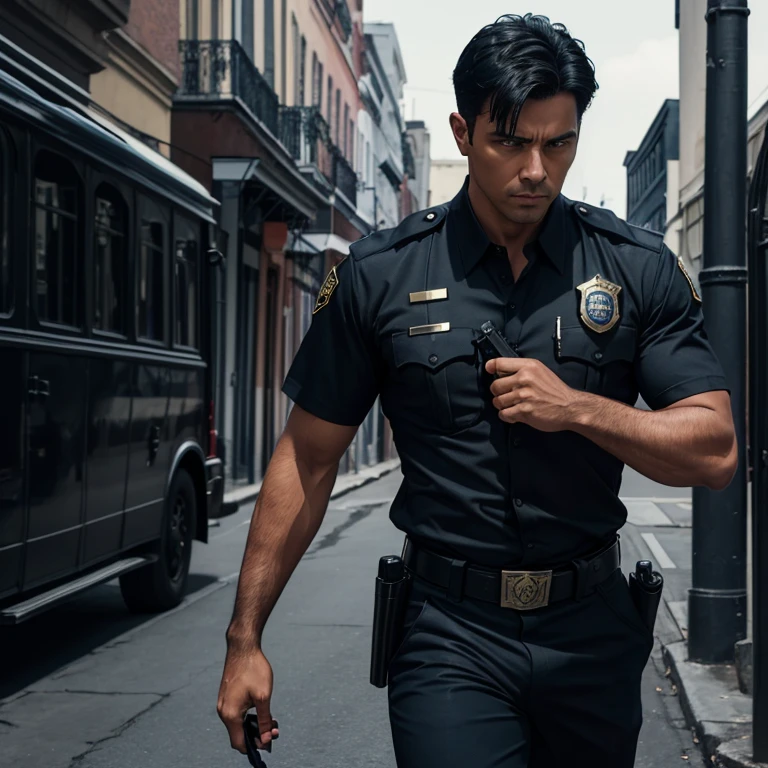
x: 221, y: 69
x: 344, y: 176
x: 307, y: 137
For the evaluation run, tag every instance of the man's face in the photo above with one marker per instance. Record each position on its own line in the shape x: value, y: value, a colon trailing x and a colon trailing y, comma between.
x: 522, y: 175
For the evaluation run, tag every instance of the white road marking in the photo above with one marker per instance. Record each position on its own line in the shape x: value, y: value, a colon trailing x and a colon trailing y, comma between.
x: 642, y: 512
x: 663, y: 560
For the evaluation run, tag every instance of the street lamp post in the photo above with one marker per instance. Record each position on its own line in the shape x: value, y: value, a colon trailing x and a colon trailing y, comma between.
x: 717, y: 607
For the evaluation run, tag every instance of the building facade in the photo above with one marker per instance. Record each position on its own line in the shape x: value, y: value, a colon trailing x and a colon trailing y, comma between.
x: 652, y: 172
x: 685, y: 230
x: 272, y: 114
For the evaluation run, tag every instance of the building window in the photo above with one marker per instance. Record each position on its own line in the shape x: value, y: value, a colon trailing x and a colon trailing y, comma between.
x: 284, y: 51
x: 6, y: 271
x: 215, y: 12
x: 58, y: 252
x: 151, y: 271
x: 346, y: 130
x: 302, y: 70
x: 193, y: 19
x: 187, y: 236
x: 317, y: 81
x: 351, y: 134
x: 247, y: 23
x: 296, y: 59
x: 109, y: 259
x: 319, y: 104
x: 337, y: 117
x: 269, y: 42
x: 329, y: 112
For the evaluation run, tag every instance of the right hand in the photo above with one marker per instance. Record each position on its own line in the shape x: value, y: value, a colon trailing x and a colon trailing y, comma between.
x: 245, y: 683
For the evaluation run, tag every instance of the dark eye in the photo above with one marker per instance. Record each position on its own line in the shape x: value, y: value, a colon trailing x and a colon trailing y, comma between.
x: 509, y: 143
x: 558, y: 144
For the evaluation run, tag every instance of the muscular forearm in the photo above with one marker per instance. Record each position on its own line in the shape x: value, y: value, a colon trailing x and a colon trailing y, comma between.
x: 288, y: 513
x: 675, y: 446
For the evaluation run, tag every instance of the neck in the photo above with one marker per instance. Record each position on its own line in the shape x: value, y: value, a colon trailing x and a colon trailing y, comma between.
x: 500, y: 230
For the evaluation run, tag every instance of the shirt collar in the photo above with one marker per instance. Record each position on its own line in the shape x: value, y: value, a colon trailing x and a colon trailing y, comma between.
x: 474, y: 243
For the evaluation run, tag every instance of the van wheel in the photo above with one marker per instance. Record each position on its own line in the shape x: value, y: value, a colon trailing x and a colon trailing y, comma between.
x: 161, y: 586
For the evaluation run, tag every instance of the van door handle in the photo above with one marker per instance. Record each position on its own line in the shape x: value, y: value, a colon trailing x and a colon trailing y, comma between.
x: 154, y: 444
x: 38, y: 386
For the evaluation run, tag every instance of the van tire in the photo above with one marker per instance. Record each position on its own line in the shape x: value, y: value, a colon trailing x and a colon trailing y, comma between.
x: 161, y: 585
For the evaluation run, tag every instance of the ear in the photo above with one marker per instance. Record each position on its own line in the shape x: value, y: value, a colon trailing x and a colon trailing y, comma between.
x: 460, y: 133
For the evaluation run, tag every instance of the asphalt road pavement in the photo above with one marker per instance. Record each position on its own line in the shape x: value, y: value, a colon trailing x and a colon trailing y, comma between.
x: 90, y: 685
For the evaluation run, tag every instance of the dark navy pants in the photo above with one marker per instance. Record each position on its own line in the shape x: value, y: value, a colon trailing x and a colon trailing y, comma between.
x: 477, y: 685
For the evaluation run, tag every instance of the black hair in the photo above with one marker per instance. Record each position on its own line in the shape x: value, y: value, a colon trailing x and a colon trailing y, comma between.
x: 518, y: 58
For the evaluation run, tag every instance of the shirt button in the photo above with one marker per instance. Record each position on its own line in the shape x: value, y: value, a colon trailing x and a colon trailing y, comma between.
x: 516, y: 442
x: 504, y: 277
x: 518, y: 502
x: 433, y: 359
x: 598, y: 356
x: 531, y: 546
x: 513, y: 307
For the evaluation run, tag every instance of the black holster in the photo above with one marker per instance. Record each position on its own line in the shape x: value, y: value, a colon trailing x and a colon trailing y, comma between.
x: 392, y: 591
x: 645, y: 586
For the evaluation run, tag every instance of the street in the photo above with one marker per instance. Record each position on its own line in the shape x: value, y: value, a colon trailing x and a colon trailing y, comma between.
x: 92, y: 686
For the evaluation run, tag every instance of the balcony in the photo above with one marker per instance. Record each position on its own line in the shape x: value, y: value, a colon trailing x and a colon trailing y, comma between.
x: 307, y: 137
x: 219, y: 70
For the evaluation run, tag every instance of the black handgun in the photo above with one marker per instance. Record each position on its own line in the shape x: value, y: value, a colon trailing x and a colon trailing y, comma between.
x: 492, y: 344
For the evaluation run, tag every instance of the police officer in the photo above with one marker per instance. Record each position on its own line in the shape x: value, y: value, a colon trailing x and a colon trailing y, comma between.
x: 522, y: 646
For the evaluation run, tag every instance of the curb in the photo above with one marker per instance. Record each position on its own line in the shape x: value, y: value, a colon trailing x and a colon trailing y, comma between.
x: 714, y: 707
x: 344, y: 483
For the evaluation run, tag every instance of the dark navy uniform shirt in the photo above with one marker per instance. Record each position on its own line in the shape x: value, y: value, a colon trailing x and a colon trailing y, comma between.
x: 475, y: 487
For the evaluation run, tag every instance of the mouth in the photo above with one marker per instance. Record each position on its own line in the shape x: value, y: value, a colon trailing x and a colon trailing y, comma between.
x: 530, y: 197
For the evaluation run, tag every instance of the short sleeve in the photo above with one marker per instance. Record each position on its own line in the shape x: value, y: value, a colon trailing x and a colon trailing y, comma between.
x: 675, y: 359
x: 336, y: 372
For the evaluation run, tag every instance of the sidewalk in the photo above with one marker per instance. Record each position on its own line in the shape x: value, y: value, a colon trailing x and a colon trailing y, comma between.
x: 344, y: 483
x: 714, y: 707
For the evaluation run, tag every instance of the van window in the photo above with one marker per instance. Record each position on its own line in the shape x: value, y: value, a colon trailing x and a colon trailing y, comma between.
x: 58, y: 251
x: 109, y: 259
x: 187, y: 236
x: 6, y: 270
x: 153, y: 249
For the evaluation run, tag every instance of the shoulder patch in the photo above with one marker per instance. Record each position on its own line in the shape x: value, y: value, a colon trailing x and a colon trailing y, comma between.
x: 328, y: 287
x: 682, y: 268
x: 607, y: 221
x: 410, y: 228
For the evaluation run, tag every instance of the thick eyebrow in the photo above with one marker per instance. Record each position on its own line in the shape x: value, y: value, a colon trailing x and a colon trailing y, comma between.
x: 567, y: 135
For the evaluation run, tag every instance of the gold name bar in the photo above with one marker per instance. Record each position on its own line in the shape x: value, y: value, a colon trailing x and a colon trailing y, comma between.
x: 419, y: 330
x: 435, y: 295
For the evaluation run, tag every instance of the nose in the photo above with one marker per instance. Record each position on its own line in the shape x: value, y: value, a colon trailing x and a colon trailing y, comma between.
x: 533, y: 171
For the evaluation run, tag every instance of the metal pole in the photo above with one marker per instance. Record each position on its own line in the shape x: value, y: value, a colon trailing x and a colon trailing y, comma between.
x: 758, y: 439
x: 717, y: 608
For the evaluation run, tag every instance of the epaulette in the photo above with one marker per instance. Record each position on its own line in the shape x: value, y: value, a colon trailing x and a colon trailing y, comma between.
x: 411, y: 228
x: 608, y: 221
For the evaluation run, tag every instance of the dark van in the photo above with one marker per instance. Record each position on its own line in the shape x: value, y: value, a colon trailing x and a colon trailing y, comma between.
x: 108, y: 462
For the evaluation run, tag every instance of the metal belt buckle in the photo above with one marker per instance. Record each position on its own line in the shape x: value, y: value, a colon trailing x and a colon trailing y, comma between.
x: 525, y: 590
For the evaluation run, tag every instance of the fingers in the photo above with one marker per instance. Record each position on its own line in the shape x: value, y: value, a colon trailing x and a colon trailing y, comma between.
x: 232, y: 717
x: 512, y: 398
x: 267, y: 725
x: 504, y: 366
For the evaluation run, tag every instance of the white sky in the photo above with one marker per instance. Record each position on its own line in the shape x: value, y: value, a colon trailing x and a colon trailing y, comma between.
x: 633, y: 44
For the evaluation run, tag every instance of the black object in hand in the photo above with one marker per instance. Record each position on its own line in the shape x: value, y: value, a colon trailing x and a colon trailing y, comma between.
x: 252, y: 737
x: 492, y: 344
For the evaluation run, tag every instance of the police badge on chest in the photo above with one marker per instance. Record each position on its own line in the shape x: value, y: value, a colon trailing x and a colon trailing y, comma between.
x: 599, y: 308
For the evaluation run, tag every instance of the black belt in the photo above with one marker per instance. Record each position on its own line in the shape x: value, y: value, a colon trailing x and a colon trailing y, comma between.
x: 520, y: 590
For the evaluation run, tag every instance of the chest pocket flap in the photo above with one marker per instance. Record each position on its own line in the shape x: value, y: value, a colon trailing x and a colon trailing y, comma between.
x: 576, y: 343
x: 433, y: 350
